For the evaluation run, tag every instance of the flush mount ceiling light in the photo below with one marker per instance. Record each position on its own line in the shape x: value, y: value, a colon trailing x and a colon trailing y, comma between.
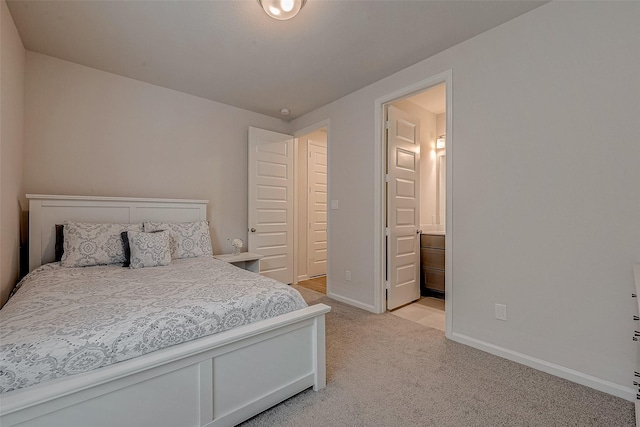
x: 282, y: 9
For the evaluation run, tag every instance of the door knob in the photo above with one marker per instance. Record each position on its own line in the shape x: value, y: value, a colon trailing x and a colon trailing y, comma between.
x: 418, y: 231
x: 253, y: 230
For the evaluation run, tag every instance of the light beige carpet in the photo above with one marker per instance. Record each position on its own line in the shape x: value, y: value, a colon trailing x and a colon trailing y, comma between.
x: 383, y: 370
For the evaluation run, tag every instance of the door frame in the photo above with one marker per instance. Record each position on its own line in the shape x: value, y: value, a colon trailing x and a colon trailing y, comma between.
x: 308, y: 129
x: 380, y: 260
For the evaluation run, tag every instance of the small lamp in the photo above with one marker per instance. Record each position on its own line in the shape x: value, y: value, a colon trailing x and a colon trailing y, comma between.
x: 282, y: 9
x: 441, y: 142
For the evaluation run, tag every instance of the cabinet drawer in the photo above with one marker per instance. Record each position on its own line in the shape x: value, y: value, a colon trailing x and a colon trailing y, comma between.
x: 433, y: 279
x: 432, y: 241
x: 432, y: 258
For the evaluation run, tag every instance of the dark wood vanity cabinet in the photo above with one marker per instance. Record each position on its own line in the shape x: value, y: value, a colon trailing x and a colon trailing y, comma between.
x: 432, y: 264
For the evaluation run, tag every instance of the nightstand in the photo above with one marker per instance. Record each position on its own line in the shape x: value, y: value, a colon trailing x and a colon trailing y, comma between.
x: 247, y: 260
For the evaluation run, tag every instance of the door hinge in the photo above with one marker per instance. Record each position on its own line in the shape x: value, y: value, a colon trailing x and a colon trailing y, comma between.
x: 386, y: 285
x: 387, y: 124
x: 386, y: 177
x: 387, y: 231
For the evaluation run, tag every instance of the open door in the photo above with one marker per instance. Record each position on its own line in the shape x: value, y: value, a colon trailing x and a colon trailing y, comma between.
x: 317, y: 210
x: 271, y: 202
x: 403, y: 204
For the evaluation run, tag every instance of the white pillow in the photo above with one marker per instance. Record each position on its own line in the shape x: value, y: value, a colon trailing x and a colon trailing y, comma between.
x: 87, y: 244
x: 149, y: 249
x: 188, y: 239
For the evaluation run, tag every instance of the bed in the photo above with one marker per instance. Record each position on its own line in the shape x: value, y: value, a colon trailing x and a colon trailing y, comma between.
x: 214, y: 379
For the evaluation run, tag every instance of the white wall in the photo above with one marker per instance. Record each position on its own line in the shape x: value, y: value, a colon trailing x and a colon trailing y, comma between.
x: 95, y: 133
x: 12, y: 68
x: 320, y: 137
x: 546, y: 200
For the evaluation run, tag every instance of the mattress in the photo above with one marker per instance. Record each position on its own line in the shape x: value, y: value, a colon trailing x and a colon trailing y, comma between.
x: 65, y: 321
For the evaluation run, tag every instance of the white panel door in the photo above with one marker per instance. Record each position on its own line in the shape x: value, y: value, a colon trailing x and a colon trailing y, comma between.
x: 403, y: 201
x: 271, y: 202
x: 317, y: 210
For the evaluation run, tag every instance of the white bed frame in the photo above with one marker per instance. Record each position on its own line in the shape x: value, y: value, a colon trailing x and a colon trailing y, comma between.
x: 219, y: 380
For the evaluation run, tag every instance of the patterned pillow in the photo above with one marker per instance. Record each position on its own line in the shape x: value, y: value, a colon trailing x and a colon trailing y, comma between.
x: 188, y: 239
x: 149, y: 249
x: 87, y: 244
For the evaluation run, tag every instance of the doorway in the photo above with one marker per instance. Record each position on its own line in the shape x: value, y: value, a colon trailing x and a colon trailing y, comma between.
x: 415, y: 198
x: 287, y: 203
x: 311, y: 174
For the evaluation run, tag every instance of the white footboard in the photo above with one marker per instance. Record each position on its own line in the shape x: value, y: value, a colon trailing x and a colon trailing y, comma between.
x: 219, y: 380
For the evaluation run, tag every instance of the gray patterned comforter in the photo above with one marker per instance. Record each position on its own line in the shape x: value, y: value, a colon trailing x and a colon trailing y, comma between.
x: 64, y: 321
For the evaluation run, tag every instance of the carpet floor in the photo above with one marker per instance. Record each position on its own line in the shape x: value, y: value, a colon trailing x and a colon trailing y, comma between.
x: 383, y: 370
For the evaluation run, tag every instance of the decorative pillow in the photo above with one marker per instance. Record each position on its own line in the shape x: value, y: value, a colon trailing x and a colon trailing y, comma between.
x: 127, y: 248
x: 87, y: 244
x: 188, y: 239
x: 59, y: 247
x: 149, y: 249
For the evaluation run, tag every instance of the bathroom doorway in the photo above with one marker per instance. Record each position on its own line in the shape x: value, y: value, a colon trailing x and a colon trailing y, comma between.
x: 415, y: 199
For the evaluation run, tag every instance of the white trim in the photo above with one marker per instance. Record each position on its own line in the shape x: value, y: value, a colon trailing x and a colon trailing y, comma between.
x: 448, y: 267
x: 112, y: 199
x: 350, y: 301
x: 303, y: 277
x: 379, y: 205
x: 605, y: 386
x: 296, y: 247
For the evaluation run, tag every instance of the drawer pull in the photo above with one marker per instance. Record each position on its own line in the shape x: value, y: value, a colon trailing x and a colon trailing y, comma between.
x: 636, y: 317
x: 636, y: 373
x: 634, y: 295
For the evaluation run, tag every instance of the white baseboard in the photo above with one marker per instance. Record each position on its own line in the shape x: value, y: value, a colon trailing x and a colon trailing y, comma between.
x: 351, y: 302
x: 599, y: 384
x: 302, y: 278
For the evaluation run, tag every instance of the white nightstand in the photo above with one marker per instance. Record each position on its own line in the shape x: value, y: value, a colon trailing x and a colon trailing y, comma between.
x: 247, y: 260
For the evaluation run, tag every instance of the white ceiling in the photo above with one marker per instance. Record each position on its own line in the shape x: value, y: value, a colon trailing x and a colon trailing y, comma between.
x: 433, y: 99
x: 230, y: 51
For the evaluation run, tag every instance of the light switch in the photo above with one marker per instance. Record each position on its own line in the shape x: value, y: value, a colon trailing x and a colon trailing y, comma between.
x: 334, y: 204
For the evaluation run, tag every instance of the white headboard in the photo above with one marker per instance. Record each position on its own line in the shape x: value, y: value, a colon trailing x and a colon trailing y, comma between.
x: 45, y: 211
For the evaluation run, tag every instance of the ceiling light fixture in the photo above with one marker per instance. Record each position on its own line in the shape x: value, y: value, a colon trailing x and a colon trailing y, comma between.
x: 285, y: 112
x: 282, y: 9
x: 441, y: 142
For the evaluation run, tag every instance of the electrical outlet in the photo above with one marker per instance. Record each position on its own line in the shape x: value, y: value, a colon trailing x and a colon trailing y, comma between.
x: 347, y: 275
x: 501, y: 311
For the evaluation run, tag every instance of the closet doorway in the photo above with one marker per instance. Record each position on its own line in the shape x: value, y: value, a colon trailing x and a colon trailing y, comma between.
x: 311, y: 208
x: 415, y: 234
